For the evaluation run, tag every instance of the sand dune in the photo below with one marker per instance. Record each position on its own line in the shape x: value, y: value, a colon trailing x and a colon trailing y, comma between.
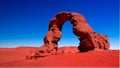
x: 15, y: 57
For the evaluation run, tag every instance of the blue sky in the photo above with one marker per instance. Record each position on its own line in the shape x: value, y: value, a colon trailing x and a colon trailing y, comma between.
x: 25, y: 22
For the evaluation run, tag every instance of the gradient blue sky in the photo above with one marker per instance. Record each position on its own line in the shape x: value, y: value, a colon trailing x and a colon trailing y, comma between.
x: 25, y: 22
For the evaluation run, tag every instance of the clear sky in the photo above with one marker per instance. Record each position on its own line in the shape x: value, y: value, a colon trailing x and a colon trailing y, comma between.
x: 25, y: 22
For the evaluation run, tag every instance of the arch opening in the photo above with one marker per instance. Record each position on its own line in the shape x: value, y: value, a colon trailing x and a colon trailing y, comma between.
x: 68, y: 38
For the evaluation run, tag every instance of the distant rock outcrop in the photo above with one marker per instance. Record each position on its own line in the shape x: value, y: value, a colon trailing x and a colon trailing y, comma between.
x: 67, y: 49
x: 89, y: 40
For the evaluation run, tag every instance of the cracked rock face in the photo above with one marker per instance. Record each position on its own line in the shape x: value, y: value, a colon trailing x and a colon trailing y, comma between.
x: 89, y: 40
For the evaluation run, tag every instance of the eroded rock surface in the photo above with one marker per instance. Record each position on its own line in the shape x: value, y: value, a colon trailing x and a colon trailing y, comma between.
x: 89, y: 40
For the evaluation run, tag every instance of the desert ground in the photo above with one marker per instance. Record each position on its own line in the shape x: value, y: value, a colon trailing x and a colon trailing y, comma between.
x: 16, y: 57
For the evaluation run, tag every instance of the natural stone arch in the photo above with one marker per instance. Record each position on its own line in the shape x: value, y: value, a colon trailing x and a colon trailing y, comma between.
x: 89, y: 40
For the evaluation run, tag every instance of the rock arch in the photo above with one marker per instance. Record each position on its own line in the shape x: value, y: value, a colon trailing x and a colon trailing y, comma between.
x: 89, y: 40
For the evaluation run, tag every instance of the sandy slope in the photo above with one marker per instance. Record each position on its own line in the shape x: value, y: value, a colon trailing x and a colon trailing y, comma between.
x: 15, y: 57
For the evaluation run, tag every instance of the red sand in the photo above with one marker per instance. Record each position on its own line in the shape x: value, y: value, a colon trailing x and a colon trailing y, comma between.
x: 15, y: 57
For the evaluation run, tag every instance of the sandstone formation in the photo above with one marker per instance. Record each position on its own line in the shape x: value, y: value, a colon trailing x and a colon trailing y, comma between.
x: 89, y: 40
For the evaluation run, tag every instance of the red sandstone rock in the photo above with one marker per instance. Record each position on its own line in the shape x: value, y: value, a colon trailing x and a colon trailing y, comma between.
x: 89, y: 40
